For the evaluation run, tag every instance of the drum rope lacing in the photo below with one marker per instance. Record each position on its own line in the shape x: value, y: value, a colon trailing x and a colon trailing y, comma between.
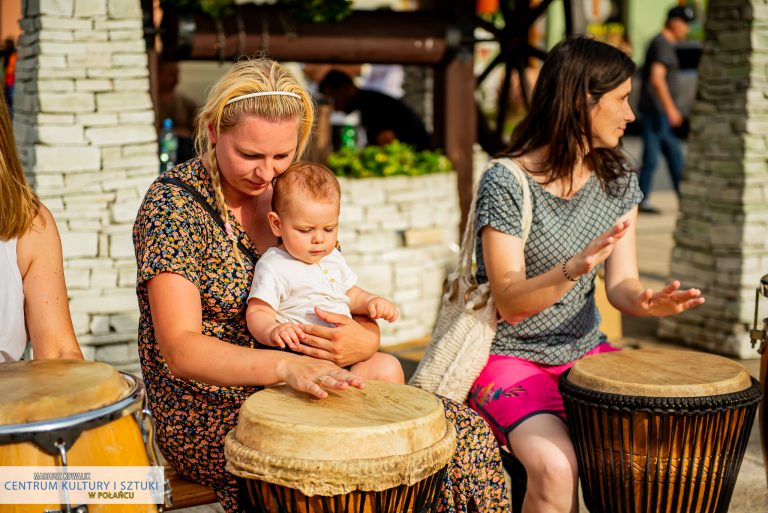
x: 672, y: 405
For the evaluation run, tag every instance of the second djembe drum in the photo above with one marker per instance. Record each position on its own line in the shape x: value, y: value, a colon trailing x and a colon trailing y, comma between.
x: 58, y: 413
x: 383, y: 449
x: 659, y: 430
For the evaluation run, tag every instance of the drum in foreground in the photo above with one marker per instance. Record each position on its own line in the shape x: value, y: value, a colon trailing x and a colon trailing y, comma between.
x: 383, y: 449
x: 659, y: 430
x: 70, y: 413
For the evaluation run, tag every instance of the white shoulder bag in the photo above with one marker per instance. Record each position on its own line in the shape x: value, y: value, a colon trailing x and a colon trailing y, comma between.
x: 466, y: 323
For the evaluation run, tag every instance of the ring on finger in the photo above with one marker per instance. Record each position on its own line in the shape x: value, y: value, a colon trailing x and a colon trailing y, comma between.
x: 319, y: 380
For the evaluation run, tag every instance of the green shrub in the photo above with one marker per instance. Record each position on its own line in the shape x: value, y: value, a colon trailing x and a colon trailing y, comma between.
x: 395, y: 159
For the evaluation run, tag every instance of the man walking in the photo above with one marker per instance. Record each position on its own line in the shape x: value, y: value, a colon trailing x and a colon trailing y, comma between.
x: 658, y: 108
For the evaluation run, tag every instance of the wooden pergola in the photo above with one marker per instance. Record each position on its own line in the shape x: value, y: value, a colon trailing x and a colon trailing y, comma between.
x: 439, y: 35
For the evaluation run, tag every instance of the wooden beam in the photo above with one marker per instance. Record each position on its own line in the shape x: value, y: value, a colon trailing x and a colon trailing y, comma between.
x: 456, y: 114
x: 415, y: 37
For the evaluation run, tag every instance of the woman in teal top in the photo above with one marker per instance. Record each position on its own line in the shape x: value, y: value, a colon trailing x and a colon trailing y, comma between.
x: 584, y: 204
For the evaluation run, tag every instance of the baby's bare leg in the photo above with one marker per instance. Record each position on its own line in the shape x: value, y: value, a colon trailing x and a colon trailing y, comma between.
x: 380, y: 366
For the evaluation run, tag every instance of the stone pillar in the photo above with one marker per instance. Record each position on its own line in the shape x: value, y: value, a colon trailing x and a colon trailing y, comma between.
x: 721, y: 238
x: 85, y: 129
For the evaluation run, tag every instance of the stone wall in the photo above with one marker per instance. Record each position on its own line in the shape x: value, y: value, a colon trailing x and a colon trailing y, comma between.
x: 721, y: 239
x: 399, y: 236
x: 85, y: 129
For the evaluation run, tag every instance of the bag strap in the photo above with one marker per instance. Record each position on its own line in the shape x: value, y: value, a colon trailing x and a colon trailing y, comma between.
x: 468, y: 239
x: 522, y: 180
x: 195, y: 194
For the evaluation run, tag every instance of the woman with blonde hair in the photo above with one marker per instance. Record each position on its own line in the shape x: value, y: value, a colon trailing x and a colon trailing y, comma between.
x: 33, y: 296
x: 198, y: 233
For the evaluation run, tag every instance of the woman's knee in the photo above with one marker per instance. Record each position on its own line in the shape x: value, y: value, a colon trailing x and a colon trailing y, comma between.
x: 543, y: 446
x: 554, y: 468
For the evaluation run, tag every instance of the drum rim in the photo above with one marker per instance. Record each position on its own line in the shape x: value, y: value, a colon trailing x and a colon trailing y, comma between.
x: 72, y: 426
x: 683, y: 405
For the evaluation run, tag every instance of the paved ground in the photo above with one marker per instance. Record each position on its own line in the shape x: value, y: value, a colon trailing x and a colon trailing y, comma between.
x: 654, y: 247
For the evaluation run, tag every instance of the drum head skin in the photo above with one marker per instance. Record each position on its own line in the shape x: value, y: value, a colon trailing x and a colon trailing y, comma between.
x: 659, y: 373
x: 40, y: 390
x: 382, y: 436
x: 378, y: 421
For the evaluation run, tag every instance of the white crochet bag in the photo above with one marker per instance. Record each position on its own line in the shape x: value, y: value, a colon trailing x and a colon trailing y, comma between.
x: 466, y: 324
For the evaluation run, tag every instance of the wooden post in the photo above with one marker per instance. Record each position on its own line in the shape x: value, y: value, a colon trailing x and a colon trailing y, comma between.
x: 456, y: 119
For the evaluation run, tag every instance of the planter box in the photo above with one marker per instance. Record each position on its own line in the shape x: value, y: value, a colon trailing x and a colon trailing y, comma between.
x: 400, y: 236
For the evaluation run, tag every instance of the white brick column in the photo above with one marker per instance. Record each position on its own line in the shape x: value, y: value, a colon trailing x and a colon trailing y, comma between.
x: 721, y: 239
x: 85, y: 128
x: 398, y: 234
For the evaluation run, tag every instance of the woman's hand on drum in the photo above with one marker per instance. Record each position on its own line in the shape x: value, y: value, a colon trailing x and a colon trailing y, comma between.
x: 344, y: 344
x: 597, y: 251
x: 315, y: 376
x: 669, y: 300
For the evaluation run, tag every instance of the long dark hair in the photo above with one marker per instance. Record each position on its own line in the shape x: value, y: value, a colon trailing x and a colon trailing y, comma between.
x: 575, y: 75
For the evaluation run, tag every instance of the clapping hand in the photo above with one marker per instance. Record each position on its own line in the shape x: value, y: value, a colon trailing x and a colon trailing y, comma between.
x: 669, y: 300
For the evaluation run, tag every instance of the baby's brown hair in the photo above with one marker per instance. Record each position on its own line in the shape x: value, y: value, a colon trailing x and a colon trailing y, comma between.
x: 309, y: 179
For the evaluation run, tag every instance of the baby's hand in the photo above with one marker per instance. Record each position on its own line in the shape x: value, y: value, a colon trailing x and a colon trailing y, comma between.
x: 287, y: 334
x: 380, y: 308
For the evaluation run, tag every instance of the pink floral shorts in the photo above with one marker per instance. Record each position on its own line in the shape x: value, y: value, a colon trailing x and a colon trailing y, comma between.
x: 510, y: 390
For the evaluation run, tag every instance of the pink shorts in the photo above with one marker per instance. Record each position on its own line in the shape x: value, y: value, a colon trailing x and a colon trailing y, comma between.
x: 510, y: 390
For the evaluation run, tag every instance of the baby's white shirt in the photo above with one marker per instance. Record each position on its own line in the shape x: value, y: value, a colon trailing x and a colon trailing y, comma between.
x: 294, y: 288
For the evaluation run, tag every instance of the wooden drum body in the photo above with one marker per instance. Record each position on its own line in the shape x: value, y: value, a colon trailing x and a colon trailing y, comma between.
x: 80, y: 412
x: 383, y: 449
x: 659, y: 430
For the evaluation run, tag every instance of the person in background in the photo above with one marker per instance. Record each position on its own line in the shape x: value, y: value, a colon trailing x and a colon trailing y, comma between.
x: 659, y: 111
x: 583, y: 199
x: 197, y: 240
x: 385, y: 119
x: 33, y: 295
x: 176, y: 106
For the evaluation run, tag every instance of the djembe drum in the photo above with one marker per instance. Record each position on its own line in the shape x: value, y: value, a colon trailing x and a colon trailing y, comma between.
x: 659, y: 430
x: 71, y: 413
x: 382, y: 449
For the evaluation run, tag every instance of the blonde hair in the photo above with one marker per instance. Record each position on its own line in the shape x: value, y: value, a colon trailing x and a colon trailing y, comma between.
x: 19, y: 204
x: 246, y: 77
x: 309, y: 179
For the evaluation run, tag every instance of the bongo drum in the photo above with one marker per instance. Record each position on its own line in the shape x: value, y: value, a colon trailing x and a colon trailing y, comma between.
x: 71, y: 413
x: 659, y: 430
x: 382, y: 449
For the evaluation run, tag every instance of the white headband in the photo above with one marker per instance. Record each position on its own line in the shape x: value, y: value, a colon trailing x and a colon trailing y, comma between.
x: 263, y: 93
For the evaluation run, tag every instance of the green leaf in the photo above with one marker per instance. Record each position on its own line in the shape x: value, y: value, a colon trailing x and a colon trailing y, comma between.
x: 394, y: 159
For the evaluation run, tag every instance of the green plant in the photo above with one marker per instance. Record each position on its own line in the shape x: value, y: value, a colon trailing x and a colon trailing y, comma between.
x: 395, y: 159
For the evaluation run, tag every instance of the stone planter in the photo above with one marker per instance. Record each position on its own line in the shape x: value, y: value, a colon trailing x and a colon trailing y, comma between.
x: 399, y: 234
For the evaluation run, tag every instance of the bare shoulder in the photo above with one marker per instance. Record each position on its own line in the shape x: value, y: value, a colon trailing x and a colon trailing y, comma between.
x: 41, y: 240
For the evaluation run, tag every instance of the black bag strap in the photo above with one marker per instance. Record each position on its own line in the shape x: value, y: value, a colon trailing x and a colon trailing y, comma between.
x: 248, y: 252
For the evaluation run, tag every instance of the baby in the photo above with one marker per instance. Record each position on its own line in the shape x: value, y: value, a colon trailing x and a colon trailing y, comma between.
x: 307, y: 270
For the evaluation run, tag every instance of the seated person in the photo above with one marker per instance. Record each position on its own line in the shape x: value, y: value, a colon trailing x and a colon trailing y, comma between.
x: 385, y: 119
x: 307, y: 270
x: 33, y: 295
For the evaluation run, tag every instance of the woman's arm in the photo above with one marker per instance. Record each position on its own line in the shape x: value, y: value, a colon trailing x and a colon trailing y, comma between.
x: 46, y: 308
x: 627, y: 294
x: 518, y: 298
x: 177, y: 320
x: 350, y: 341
